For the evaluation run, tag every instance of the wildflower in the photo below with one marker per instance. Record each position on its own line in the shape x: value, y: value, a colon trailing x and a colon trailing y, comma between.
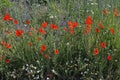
x: 41, y: 51
x: 89, y: 26
x: 65, y: 28
x: 19, y: 33
x: 72, y: 25
x: 112, y: 30
x: 72, y: 31
x: 9, y: 46
x: 44, y: 25
x: 103, y: 45
x: 105, y: 11
x: 89, y: 20
x: 87, y: 31
x: 7, y: 61
x: 30, y: 33
x: 47, y: 56
x: 27, y: 21
x: 43, y: 47
x: 7, y: 17
x: 41, y: 30
x: 97, y: 30
x: 16, y: 22
x: 109, y: 57
x: 56, y: 51
x: 116, y: 13
x: 3, y: 43
x: 101, y: 25
x: 96, y: 51
x: 54, y: 27
x: 8, y: 32
x: 31, y: 44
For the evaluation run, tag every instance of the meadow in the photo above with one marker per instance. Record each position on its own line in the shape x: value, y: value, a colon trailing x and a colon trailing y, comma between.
x: 59, y: 39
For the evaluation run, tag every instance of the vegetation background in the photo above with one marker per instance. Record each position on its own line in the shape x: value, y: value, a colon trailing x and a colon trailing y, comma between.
x: 76, y: 57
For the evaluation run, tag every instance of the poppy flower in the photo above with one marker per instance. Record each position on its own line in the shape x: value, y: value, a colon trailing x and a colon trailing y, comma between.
x: 101, y: 25
x: 31, y: 44
x: 27, y: 21
x: 96, y: 51
x: 8, y: 46
x: 54, y: 27
x: 44, y: 25
x: 109, y: 57
x: 43, y: 47
x: 116, y: 13
x: 16, y: 22
x: 112, y: 30
x: 65, y: 28
x: 41, y: 30
x: 103, y: 45
x: 8, y: 32
x: 7, y: 17
x: 87, y: 31
x: 19, y: 33
x: 7, y: 61
x: 72, y: 31
x: 41, y: 51
x: 47, y: 56
x: 3, y: 43
x: 105, y: 11
x: 72, y: 25
x: 89, y: 20
x: 97, y: 30
x: 115, y: 10
x: 56, y: 51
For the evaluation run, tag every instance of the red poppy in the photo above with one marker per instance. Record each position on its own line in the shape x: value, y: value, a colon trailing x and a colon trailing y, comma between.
x: 116, y: 13
x: 101, y: 25
x: 75, y: 24
x: 89, y: 26
x: 56, y: 51
x: 47, y: 56
x: 109, y: 57
x: 116, y: 10
x: 7, y: 17
x: 7, y: 61
x: 19, y: 33
x: 89, y: 20
x: 3, y: 43
x: 43, y: 47
x: 65, y: 28
x: 54, y: 27
x: 30, y: 33
x: 16, y: 22
x: 72, y: 25
x: 8, y: 32
x: 103, y: 45
x: 44, y: 25
x: 87, y: 31
x: 41, y: 30
x: 96, y: 51
x: 97, y: 30
x: 41, y: 51
x: 105, y: 11
x: 9, y: 46
x: 112, y: 30
x: 31, y: 44
x: 27, y: 21
x: 72, y: 31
